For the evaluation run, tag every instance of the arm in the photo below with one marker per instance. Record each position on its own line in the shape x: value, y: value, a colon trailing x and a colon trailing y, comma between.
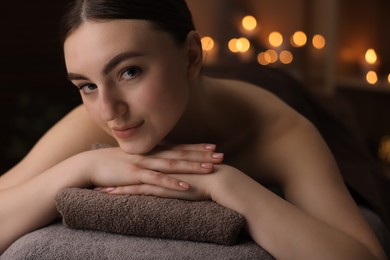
x: 25, y: 204
x: 62, y: 159
x: 73, y: 134
x: 285, y: 230
x: 318, y: 219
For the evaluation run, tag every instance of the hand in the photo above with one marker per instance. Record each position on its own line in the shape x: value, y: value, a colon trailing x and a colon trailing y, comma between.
x: 212, y: 186
x: 114, y: 171
x: 216, y: 186
x: 188, y: 157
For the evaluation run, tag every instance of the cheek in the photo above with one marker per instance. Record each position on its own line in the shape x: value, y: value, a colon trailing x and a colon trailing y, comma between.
x: 166, y: 96
x: 93, y: 111
x: 157, y: 105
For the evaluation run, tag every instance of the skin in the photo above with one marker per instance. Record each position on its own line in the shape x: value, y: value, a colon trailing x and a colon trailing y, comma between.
x: 170, y: 128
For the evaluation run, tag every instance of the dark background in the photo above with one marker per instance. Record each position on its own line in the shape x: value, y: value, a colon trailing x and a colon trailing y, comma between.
x: 34, y: 92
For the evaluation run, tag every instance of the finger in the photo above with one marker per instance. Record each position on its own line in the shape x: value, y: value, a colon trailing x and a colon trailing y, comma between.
x: 150, y: 190
x: 190, y: 155
x: 161, y: 180
x: 195, y: 147
x: 146, y: 189
x: 174, y: 165
x: 190, y: 147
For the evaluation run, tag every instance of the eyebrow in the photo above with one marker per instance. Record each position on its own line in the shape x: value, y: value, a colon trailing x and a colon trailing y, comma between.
x: 110, y: 65
x: 118, y: 59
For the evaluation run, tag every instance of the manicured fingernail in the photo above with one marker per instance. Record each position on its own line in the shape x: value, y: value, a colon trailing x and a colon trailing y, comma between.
x: 109, y: 189
x: 217, y: 155
x: 206, y: 165
x: 210, y: 146
x: 184, y: 185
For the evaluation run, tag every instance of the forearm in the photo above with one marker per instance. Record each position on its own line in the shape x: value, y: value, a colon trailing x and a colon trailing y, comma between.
x: 284, y: 230
x: 30, y: 205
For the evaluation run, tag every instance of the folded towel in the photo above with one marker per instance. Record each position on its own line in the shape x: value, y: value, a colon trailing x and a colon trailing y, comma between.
x: 203, y: 221
x: 59, y: 242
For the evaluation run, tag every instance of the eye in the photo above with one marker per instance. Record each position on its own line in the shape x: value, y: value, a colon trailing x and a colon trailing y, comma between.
x: 87, y: 88
x: 130, y: 73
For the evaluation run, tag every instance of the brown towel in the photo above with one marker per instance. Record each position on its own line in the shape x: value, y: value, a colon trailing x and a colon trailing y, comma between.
x: 59, y: 242
x: 203, y: 221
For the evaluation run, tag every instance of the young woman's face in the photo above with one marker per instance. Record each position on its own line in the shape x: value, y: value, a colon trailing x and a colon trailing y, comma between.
x: 132, y: 78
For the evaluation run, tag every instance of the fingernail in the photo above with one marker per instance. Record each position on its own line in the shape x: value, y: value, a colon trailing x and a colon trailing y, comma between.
x: 109, y: 189
x: 184, y: 185
x: 217, y: 155
x: 206, y: 165
x: 210, y: 146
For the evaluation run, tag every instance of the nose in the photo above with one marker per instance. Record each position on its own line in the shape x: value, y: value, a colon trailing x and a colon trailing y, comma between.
x: 111, y: 104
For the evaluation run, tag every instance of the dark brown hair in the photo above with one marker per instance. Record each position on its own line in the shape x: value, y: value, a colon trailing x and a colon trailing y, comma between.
x: 172, y: 16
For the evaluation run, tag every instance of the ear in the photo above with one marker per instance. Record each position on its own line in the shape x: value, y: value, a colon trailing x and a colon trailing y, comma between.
x: 194, y: 54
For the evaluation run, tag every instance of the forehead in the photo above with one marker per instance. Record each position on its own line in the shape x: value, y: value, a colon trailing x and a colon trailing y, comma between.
x: 100, y: 41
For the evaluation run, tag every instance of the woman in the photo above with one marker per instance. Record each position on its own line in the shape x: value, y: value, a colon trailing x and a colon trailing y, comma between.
x: 137, y: 65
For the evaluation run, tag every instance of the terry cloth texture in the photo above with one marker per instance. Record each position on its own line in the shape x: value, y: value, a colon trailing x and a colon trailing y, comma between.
x: 59, y: 242
x: 203, y: 221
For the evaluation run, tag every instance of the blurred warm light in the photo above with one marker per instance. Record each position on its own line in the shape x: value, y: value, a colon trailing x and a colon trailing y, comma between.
x: 273, y: 56
x: 318, y: 41
x: 384, y: 149
x: 207, y: 43
x: 232, y: 45
x: 372, y: 77
x: 239, y: 45
x: 243, y: 44
x: 286, y: 57
x: 298, y: 39
x: 388, y: 78
x: 249, y: 23
x: 275, y: 39
x: 263, y: 58
x: 371, y: 56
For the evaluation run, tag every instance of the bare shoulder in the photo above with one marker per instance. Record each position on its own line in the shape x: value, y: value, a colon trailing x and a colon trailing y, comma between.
x: 74, y: 133
x: 297, y: 159
x: 283, y: 137
x: 269, y: 116
x: 265, y: 118
x: 265, y: 104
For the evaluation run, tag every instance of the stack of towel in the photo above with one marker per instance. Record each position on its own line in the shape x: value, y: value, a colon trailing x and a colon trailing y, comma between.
x: 203, y: 221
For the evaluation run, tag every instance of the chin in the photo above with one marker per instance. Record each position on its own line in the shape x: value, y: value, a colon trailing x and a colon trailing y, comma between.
x: 136, y: 148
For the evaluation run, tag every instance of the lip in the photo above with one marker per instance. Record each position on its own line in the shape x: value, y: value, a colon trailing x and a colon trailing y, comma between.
x: 124, y: 132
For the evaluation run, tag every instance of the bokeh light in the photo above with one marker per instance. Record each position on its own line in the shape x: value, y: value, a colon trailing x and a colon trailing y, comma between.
x: 263, y: 58
x: 249, y: 23
x: 384, y: 149
x: 286, y: 57
x: 273, y: 56
x: 319, y: 41
x: 275, y: 39
x: 299, y: 39
x: 207, y: 43
x: 371, y: 56
x: 239, y: 45
x: 243, y: 44
x: 372, y: 77
x: 232, y: 45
